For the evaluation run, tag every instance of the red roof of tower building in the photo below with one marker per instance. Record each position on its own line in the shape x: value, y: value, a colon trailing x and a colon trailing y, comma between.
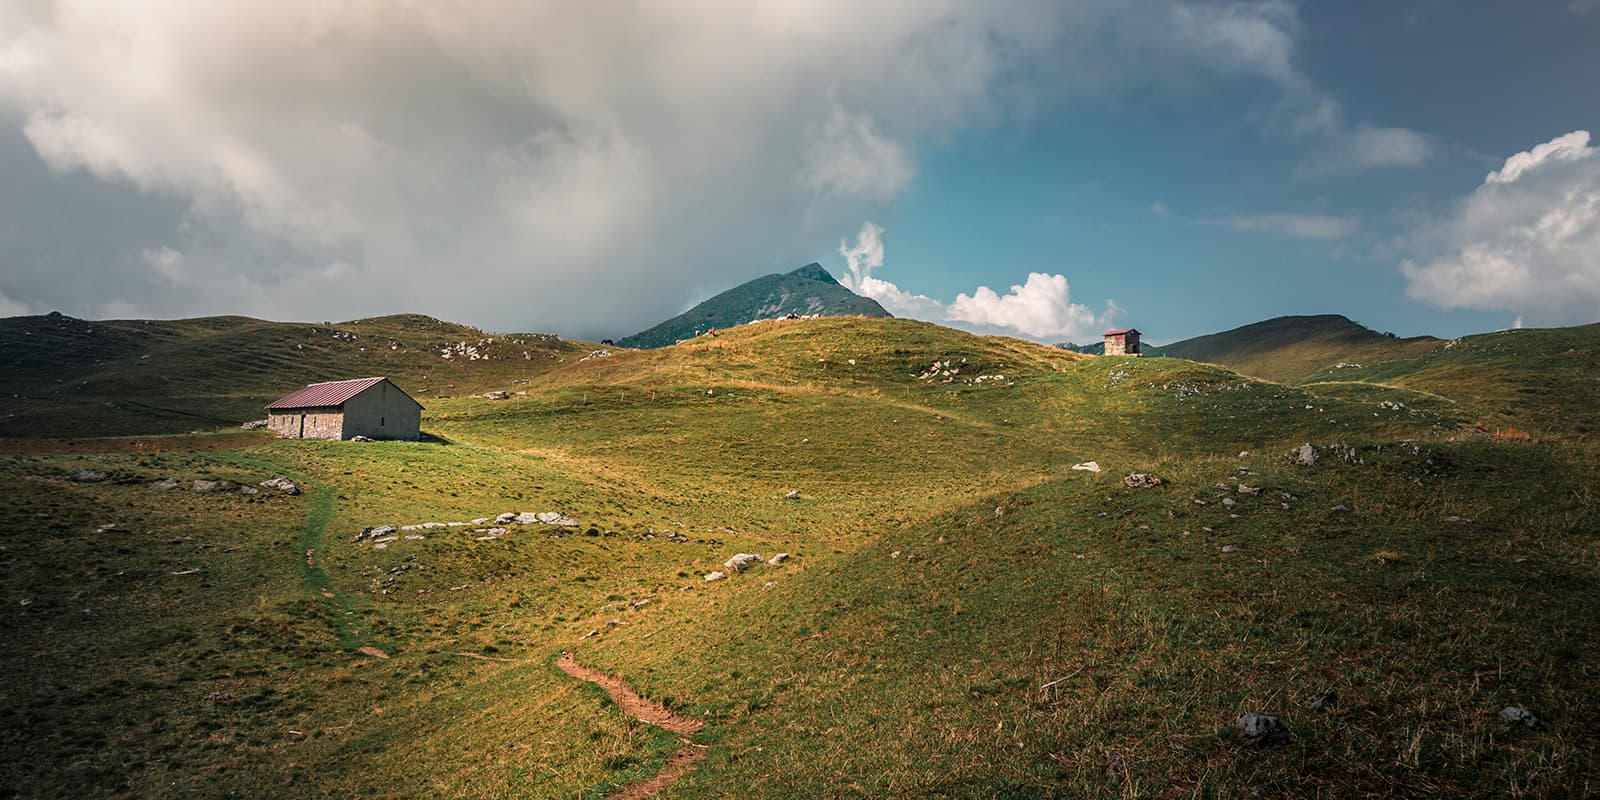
x: 332, y: 393
x: 1121, y: 331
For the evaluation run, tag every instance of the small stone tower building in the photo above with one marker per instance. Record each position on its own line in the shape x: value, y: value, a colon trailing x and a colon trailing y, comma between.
x: 1122, y: 342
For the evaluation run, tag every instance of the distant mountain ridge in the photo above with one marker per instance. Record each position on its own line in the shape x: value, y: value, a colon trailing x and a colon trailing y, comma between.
x: 809, y: 290
x: 1292, y: 348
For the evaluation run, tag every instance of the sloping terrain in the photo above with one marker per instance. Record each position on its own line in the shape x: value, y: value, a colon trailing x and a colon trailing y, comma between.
x: 1542, y: 382
x: 807, y: 291
x: 72, y: 377
x: 961, y: 613
x: 1290, y: 349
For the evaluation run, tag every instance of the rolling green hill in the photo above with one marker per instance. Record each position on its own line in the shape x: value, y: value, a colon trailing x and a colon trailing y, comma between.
x: 1542, y: 382
x: 1290, y: 349
x: 962, y: 613
x: 73, y: 377
x: 807, y: 291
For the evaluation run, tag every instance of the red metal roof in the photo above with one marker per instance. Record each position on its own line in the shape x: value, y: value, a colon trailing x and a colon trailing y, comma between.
x: 1121, y: 331
x: 332, y: 393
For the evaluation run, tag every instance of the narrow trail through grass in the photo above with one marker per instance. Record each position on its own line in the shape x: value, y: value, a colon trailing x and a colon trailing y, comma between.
x: 315, y: 578
x: 650, y: 712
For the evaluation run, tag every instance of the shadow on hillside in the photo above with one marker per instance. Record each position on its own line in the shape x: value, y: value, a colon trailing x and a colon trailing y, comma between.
x: 433, y: 438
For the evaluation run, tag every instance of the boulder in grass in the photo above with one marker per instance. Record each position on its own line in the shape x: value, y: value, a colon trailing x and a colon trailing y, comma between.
x: 282, y: 484
x: 88, y: 476
x: 740, y: 561
x: 1141, y: 480
x: 1256, y: 730
x: 714, y: 576
x: 1519, y: 715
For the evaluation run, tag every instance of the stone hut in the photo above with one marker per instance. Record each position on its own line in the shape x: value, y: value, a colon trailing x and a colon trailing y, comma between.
x: 1122, y: 342
x: 371, y: 407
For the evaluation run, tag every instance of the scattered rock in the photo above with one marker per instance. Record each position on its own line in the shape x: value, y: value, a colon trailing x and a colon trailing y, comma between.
x: 1343, y: 452
x: 369, y: 650
x: 1087, y: 466
x: 385, y: 540
x: 282, y: 484
x: 1259, y: 729
x: 778, y: 559
x: 1339, y: 508
x: 1230, y: 548
x: 1458, y: 520
x: 206, y: 486
x: 414, y: 537
x: 1141, y: 480
x: 640, y: 603
x: 374, y: 533
x: 1116, y: 767
x: 506, y: 518
x: 526, y: 518
x: 613, y: 622
x: 254, y: 425
x: 111, y: 527
x: 556, y: 518
x: 1245, y: 488
x: 218, y: 697
x: 496, y: 395
x: 1305, y: 455
x: 1229, y: 502
x: 165, y: 483
x: 1244, y: 453
x: 1519, y: 715
x: 88, y: 476
x: 360, y: 438
x: 589, y: 635
x: 714, y: 576
x: 1323, y: 701
x: 740, y: 561
x: 794, y: 495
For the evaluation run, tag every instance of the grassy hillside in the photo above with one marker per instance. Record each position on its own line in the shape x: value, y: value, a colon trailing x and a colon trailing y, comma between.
x: 1290, y: 349
x: 72, y: 377
x: 807, y: 291
x: 963, y: 614
x: 1542, y: 382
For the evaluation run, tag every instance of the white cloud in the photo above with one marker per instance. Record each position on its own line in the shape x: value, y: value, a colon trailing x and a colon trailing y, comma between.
x: 1573, y: 146
x: 1365, y: 147
x: 1296, y: 226
x: 1527, y: 240
x: 1041, y: 308
x: 12, y: 308
x: 849, y: 156
x: 1160, y: 209
x: 165, y: 261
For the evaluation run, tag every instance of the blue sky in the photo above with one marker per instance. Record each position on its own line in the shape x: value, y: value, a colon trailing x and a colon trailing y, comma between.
x: 1043, y: 168
x: 1128, y: 198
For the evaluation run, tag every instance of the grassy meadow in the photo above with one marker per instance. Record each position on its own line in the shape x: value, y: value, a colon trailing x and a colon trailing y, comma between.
x: 962, y: 615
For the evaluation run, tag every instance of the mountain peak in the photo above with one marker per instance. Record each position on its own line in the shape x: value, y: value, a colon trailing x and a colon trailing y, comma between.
x: 807, y: 291
x: 815, y: 272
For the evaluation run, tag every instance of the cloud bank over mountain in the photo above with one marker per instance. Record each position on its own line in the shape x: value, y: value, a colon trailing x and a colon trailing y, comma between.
x: 499, y: 162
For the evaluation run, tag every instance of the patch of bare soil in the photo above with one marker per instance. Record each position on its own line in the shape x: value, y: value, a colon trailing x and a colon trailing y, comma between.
x: 645, y: 710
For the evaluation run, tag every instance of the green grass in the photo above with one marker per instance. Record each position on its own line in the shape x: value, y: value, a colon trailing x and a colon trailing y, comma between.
x: 905, y: 648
